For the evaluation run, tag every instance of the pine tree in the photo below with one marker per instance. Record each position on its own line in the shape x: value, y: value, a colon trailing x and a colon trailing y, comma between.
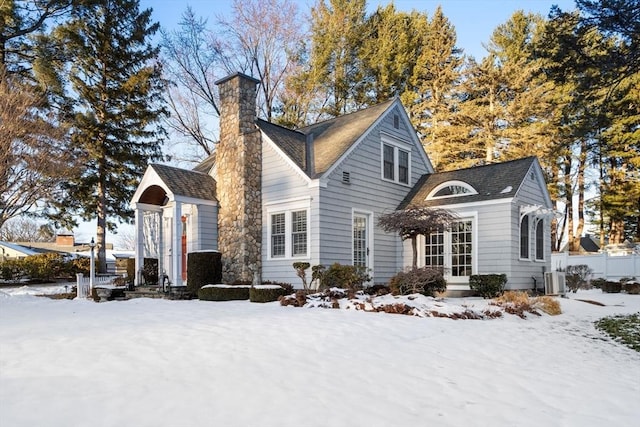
x: 433, y: 95
x: 118, y: 102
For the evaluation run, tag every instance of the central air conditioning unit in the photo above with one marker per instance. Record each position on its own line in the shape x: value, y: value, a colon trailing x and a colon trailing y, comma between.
x: 554, y: 283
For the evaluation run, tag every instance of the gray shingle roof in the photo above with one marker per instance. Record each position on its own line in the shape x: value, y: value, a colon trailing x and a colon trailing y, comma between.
x: 187, y: 183
x: 292, y: 142
x: 330, y: 138
x: 490, y: 181
x: 207, y: 164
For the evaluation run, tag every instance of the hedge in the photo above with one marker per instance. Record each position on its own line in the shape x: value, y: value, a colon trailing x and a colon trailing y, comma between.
x: 223, y: 293
x: 203, y: 268
x: 268, y: 293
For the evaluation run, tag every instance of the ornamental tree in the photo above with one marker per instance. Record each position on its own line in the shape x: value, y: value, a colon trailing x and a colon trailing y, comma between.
x: 414, y: 221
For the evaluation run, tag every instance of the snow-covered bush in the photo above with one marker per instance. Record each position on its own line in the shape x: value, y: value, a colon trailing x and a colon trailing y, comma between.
x: 488, y: 285
x: 341, y: 276
x: 425, y: 280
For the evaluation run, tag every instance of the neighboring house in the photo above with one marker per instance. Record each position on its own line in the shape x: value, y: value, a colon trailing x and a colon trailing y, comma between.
x: 271, y: 196
x: 9, y: 250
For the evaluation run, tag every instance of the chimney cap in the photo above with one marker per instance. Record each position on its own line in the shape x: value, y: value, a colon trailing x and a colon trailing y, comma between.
x: 237, y: 74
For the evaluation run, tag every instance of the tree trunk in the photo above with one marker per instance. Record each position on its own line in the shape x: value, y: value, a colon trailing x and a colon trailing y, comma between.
x: 101, y: 231
x: 582, y: 164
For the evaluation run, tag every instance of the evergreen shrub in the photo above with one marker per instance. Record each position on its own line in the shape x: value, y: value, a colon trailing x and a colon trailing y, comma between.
x: 611, y: 287
x: 266, y: 293
x: 223, y: 293
x: 488, y: 285
x: 341, y: 276
x: 204, y: 268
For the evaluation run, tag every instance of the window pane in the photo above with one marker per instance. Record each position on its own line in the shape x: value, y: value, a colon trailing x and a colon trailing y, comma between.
x: 540, y: 240
x: 403, y: 166
x: 299, y: 233
x: 524, y: 237
x: 434, y: 248
x: 388, y: 165
x: 277, y: 235
x: 462, y: 248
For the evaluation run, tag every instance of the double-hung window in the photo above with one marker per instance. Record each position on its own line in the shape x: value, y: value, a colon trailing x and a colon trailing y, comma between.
x: 289, y: 233
x: 396, y: 161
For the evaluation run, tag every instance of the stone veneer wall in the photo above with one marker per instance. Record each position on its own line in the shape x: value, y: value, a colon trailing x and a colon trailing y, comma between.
x: 239, y: 181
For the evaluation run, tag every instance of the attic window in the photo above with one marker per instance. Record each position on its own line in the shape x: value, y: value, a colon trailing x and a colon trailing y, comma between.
x: 346, y: 178
x: 396, y: 121
x: 451, y: 189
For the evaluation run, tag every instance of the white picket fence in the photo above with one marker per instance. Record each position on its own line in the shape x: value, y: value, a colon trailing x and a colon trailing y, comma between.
x: 82, y: 283
x: 602, y: 265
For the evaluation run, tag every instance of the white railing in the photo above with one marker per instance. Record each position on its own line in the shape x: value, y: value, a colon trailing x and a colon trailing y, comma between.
x: 603, y: 265
x: 83, y: 284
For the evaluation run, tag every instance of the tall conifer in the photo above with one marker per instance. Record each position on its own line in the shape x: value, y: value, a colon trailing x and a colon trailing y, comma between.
x: 117, y: 91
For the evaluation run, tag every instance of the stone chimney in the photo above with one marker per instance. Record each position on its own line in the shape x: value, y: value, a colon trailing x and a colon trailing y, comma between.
x: 239, y: 181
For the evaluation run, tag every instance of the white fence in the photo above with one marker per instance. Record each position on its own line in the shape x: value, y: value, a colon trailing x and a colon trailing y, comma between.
x: 83, y: 283
x: 602, y: 265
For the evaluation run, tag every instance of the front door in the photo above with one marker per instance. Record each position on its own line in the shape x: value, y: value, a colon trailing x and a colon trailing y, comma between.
x: 360, y: 240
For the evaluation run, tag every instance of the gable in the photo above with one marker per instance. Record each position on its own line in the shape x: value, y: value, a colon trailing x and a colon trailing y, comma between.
x: 317, y: 149
x: 161, y: 181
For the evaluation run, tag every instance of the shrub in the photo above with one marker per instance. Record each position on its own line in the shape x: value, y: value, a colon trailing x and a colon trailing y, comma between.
x: 488, y: 285
x: 301, y: 271
x: 223, y: 293
x: 342, y: 276
x: 611, y: 287
x: 377, y: 290
x: 597, y: 283
x: 576, y: 276
x: 423, y: 280
x: 268, y: 293
x: 632, y: 288
x: 297, y: 300
x: 204, y: 268
x: 11, y: 269
x: 150, y: 271
x: 548, y: 304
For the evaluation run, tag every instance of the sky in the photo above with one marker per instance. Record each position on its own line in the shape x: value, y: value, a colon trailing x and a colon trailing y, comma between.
x: 156, y: 363
x: 474, y: 21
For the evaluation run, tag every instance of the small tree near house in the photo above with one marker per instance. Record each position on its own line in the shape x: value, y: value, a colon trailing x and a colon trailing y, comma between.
x: 414, y: 221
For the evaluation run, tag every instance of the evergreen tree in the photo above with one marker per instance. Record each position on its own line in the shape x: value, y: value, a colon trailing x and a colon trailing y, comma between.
x: 435, y: 82
x: 337, y: 32
x: 117, y: 92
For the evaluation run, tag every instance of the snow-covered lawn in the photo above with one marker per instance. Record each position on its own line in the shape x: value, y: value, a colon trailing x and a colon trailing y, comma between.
x: 194, y: 363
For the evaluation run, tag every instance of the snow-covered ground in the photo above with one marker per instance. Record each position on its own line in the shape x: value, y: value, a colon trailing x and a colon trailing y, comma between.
x: 194, y: 363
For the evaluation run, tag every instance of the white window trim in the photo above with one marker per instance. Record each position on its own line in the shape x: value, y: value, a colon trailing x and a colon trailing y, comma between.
x: 370, y: 237
x: 397, y: 146
x: 455, y: 280
x: 287, y: 207
x: 449, y: 184
x: 520, y: 257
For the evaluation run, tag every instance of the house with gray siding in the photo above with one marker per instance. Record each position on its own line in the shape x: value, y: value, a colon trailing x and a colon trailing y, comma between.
x: 271, y: 196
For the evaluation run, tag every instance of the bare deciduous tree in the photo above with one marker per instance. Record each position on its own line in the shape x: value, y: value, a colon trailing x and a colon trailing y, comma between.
x: 32, y: 160
x: 26, y: 230
x: 414, y: 221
